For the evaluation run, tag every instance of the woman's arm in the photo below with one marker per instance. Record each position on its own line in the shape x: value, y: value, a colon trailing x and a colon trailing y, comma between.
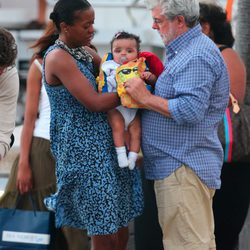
x: 237, y: 73
x: 24, y: 175
x: 61, y: 68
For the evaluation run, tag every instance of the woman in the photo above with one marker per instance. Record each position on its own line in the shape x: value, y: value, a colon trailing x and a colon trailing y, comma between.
x: 230, y: 203
x: 93, y: 192
x: 215, y: 25
x: 34, y: 170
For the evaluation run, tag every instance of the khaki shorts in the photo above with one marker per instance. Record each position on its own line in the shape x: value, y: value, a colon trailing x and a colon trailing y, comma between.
x: 185, y: 211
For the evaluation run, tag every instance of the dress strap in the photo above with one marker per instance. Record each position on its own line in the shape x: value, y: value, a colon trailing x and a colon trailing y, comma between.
x: 221, y: 48
x: 38, y: 64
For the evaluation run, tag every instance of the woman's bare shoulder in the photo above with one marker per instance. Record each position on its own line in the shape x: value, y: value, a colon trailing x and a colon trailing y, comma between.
x: 231, y: 54
x: 237, y: 73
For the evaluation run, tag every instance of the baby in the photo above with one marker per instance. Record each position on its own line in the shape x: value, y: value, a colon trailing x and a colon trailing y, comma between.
x: 125, y: 47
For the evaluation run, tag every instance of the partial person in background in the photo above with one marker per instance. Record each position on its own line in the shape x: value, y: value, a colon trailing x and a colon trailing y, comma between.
x: 33, y: 172
x: 93, y: 192
x: 9, y: 88
x: 183, y: 154
x: 231, y: 201
x: 41, y: 19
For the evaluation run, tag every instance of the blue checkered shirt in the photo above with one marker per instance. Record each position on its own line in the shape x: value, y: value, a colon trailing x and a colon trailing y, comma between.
x: 195, y: 82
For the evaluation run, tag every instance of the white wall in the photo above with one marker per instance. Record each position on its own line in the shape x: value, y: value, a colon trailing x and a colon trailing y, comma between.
x: 29, y: 7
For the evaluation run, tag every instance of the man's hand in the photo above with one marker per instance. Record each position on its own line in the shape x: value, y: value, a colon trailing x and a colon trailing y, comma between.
x: 136, y: 88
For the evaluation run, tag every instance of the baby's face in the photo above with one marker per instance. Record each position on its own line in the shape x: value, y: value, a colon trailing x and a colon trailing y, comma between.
x: 124, y: 50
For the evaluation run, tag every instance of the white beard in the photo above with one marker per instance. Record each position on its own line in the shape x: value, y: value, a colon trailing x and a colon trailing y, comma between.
x: 167, y: 38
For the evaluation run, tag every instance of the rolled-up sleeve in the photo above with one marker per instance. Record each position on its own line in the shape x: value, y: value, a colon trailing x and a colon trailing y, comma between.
x: 192, y: 87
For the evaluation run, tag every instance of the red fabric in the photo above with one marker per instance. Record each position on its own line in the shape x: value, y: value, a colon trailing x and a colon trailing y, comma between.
x: 153, y: 62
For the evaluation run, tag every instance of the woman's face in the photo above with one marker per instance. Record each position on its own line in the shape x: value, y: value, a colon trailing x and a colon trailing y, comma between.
x: 82, y: 31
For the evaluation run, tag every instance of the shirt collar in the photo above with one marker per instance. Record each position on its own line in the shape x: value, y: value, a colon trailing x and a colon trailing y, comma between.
x: 181, y: 41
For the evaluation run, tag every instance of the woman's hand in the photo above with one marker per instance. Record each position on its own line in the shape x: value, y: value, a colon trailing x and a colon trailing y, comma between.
x: 24, y: 178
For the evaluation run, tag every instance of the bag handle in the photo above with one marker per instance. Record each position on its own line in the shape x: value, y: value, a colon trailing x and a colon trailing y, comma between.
x: 19, y: 196
x: 235, y: 104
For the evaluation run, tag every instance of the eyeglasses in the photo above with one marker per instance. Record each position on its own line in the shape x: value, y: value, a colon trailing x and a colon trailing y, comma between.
x: 163, y: 19
x: 5, y: 69
x: 158, y: 21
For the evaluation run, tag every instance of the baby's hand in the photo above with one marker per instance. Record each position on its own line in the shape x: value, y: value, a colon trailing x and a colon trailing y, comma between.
x: 146, y: 75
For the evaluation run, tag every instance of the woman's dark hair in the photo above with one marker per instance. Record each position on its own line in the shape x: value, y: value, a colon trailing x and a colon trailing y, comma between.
x: 43, y: 43
x: 126, y: 35
x: 65, y: 10
x: 8, y: 48
x: 216, y: 17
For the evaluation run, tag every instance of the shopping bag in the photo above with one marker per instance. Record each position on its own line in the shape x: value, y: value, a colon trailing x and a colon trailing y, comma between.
x: 22, y: 229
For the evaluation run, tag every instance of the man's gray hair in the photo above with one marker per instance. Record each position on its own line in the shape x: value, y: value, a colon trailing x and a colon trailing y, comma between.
x: 189, y: 9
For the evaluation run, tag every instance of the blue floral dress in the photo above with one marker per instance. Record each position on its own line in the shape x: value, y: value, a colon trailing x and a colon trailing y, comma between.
x: 93, y: 192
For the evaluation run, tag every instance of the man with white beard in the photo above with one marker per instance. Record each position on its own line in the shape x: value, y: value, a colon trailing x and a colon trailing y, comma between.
x: 182, y: 153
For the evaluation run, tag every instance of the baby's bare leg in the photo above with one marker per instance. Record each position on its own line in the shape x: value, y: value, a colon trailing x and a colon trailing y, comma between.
x: 135, y: 141
x: 117, y: 124
x: 134, y: 130
x: 116, y: 121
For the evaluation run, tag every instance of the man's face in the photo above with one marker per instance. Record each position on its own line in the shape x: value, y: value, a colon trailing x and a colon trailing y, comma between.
x: 168, y: 29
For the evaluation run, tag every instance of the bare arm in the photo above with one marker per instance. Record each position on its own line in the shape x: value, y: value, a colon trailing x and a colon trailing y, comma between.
x: 66, y: 72
x: 24, y: 174
x: 237, y: 73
